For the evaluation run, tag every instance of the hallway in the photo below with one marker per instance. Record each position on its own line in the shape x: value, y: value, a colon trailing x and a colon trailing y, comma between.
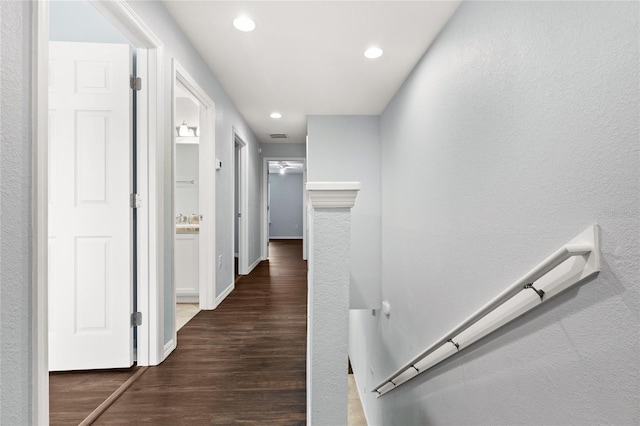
x: 243, y: 362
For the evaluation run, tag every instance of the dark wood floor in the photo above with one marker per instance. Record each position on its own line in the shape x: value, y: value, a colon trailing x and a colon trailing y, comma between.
x: 75, y: 394
x: 243, y: 363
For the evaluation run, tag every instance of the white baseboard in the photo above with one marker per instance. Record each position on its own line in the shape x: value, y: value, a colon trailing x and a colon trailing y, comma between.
x: 254, y: 264
x: 168, y: 348
x: 187, y: 298
x: 227, y: 291
x: 285, y: 238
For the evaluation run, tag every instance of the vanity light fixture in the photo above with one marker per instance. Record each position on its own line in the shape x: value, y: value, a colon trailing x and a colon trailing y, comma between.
x: 244, y: 23
x: 373, y: 52
x: 276, y: 115
x: 183, y: 129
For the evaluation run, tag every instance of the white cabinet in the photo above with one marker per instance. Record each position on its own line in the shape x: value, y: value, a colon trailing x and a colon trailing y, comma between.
x: 186, y: 268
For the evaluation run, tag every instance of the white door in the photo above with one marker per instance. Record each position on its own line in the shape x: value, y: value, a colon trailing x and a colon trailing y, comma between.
x: 90, y: 226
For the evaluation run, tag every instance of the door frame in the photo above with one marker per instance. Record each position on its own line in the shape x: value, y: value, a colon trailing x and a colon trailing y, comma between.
x: 206, y: 241
x: 243, y: 203
x: 150, y: 140
x: 265, y: 204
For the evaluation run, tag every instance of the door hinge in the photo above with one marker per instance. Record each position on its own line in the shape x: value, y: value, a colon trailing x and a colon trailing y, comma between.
x: 136, y: 319
x: 135, y: 201
x: 135, y: 83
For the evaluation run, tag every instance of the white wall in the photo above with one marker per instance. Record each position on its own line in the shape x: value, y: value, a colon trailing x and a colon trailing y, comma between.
x: 285, y: 205
x: 517, y: 129
x: 15, y: 212
x: 347, y: 148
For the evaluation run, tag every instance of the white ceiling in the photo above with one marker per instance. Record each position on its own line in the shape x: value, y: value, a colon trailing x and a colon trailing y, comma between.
x: 306, y: 57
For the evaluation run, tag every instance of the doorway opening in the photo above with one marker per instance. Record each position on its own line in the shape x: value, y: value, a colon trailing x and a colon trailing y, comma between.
x: 186, y: 262
x: 193, y: 200
x: 284, y: 200
x: 240, y: 207
x: 284, y: 212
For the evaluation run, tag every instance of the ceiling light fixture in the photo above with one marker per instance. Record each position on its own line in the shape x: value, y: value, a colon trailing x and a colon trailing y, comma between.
x: 244, y: 23
x: 276, y: 115
x: 373, y: 52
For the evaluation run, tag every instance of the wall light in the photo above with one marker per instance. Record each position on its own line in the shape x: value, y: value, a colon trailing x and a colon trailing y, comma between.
x: 185, y: 130
x: 275, y: 115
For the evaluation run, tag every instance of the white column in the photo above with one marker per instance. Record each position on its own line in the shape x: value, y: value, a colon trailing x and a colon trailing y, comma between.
x: 328, y: 303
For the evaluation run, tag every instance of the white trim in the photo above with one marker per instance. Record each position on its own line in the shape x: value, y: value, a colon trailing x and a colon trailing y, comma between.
x: 334, y: 186
x: 227, y: 291
x: 253, y: 265
x: 39, y: 257
x: 168, y: 348
x: 332, y: 195
x: 125, y: 19
x: 181, y: 298
x: 243, y: 202
x: 150, y: 156
x: 155, y: 192
x: 265, y: 217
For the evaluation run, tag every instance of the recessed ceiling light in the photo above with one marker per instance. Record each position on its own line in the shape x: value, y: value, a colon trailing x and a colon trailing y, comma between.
x: 244, y: 23
x: 373, y: 52
x: 276, y: 115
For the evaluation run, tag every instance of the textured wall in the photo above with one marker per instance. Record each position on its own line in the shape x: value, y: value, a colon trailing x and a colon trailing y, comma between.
x: 347, y: 148
x: 286, y: 205
x: 328, y: 317
x: 517, y: 129
x: 15, y: 213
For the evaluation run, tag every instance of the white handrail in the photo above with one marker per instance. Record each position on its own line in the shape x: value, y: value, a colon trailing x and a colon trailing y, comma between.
x: 586, y: 243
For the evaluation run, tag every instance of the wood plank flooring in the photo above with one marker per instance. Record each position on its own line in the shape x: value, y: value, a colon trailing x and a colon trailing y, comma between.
x: 243, y: 363
x: 75, y: 394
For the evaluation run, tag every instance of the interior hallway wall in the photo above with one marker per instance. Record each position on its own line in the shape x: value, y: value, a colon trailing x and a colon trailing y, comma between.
x: 347, y: 148
x: 285, y: 207
x: 517, y: 130
x: 283, y: 150
x: 16, y: 232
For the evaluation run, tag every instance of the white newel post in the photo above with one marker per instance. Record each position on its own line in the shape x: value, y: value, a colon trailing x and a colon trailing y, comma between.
x: 328, y: 302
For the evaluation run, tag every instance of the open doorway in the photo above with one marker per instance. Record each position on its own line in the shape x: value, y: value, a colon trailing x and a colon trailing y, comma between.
x: 240, y: 206
x: 284, y: 213
x: 186, y: 262
x: 194, y: 199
